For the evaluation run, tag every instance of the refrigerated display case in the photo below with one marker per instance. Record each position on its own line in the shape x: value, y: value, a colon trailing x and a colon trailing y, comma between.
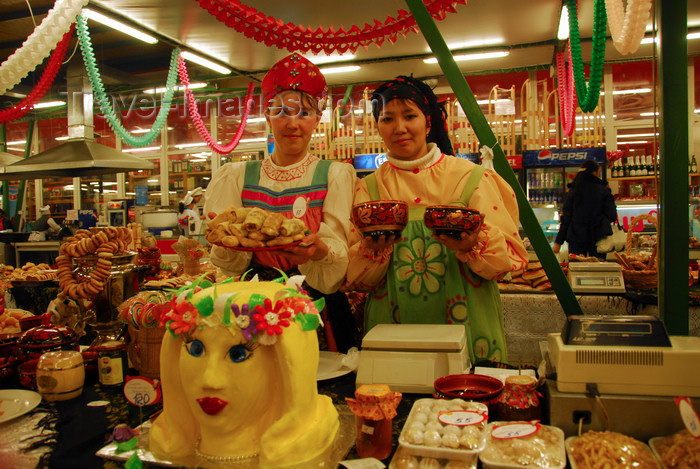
x: 548, y: 173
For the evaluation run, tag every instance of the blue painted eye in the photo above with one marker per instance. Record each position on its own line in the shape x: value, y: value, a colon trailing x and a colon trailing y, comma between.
x: 195, y: 348
x: 238, y: 353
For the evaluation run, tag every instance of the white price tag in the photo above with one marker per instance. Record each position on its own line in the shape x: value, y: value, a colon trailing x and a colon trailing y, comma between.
x: 299, y: 207
x: 141, y: 391
x: 514, y: 430
x: 461, y: 418
x: 689, y: 416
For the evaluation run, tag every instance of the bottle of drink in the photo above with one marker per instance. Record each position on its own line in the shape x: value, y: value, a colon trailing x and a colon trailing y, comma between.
x: 693, y: 165
x: 642, y: 167
x: 635, y: 166
x: 626, y: 168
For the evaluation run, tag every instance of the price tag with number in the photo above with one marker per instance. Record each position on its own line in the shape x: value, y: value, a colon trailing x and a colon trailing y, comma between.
x: 461, y: 418
x: 689, y: 416
x: 141, y: 391
x: 515, y: 430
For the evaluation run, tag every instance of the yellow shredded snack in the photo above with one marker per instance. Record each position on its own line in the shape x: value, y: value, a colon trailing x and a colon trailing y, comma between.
x: 679, y: 451
x: 610, y: 450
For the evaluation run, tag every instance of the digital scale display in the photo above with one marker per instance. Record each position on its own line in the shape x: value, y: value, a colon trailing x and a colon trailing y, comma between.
x: 643, y: 331
x: 596, y: 277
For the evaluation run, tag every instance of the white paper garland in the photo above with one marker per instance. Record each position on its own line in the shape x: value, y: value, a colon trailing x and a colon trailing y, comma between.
x: 627, y: 26
x: 40, y: 43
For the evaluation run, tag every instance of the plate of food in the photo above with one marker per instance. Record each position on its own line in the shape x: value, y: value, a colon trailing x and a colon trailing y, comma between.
x: 254, y: 229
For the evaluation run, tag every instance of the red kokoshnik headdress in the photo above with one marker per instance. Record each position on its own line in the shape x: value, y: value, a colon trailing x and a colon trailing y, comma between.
x: 295, y: 73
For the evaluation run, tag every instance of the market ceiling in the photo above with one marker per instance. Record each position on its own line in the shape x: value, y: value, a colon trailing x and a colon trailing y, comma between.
x: 526, y: 29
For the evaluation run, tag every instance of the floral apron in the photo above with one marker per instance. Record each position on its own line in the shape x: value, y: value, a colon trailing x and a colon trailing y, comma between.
x: 427, y: 284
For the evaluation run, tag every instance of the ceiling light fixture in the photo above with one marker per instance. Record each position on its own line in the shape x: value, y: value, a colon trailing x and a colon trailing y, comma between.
x: 635, y: 142
x: 475, y: 56
x: 119, y: 26
x: 563, y: 32
x: 348, y: 68
x: 689, y: 36
x: 141, y: 150
x: 253, y: 140
x: 204, y: 62
x: 193, y: 86
x: 632, y: 91
x: 49, y: 104
x: 474, y: 44
x: 324, y: 59
x: 636, y: 135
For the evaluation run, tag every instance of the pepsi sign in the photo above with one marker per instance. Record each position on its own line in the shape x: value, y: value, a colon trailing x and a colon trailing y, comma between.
x: 563, y: 156
x: 369, y: 161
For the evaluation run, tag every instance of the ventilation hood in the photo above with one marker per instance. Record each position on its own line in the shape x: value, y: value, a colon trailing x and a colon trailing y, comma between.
x: 80, y: 156
x: 8, y: 158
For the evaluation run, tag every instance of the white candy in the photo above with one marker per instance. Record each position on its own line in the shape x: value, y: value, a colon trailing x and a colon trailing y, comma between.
x: 422, y: 417
x: 415, y: 437
x: 407, y: 461
x: 432, y: 439
x: 434, y: 426
x: 415, y: 425
x: 457, y: 465
x: 450, y: 440
x: 429, y: 463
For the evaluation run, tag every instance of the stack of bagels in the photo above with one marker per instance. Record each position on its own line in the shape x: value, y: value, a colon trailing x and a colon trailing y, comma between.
x: 104, y: 244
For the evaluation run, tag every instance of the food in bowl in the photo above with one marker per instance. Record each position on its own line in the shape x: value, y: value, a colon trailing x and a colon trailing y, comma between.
x: 452, y: 220
x: 612, y: 448
x: 380, y: 217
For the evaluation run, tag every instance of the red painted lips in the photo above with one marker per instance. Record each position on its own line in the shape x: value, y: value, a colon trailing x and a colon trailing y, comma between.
x: 211, y: 405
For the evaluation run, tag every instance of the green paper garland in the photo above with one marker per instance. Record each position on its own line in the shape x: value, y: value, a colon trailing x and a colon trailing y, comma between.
x: 103, y: 100
x: 588, y: 95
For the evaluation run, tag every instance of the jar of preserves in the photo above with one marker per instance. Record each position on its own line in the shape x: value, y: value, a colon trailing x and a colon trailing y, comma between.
x: 374, y: 407
x: 519, y: 400
x: 112, y: 363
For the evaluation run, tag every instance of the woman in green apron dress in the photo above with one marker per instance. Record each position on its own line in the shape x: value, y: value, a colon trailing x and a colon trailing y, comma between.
x: 421, y: 277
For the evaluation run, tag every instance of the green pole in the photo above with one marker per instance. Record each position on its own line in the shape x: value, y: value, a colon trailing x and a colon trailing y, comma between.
x: 5, y: 185
x: 22, y: 183
x: 672, y: 47
x: 343, y: 103
x: 483, y: 131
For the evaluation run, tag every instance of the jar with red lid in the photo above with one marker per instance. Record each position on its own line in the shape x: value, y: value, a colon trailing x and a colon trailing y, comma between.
x: 374, y: 407
x: 112, y: 363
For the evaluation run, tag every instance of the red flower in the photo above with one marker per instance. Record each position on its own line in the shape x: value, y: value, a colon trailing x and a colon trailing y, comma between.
x: 183, y: 318
x: 272, y: 320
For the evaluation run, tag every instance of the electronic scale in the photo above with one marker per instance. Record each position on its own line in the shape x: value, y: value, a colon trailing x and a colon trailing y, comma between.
x: 410, y: 357
x: 624, y: 355
x: 596, y: 277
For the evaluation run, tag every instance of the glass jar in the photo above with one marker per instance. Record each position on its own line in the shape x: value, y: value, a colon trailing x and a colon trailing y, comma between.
x: 374, y: 407
x: 112, y: 363
x: 519, y: 400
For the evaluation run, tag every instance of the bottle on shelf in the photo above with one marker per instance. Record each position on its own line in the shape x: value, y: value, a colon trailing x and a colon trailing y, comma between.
x: 693, y: 165
x: 626, y: 168
x: 642, y: 167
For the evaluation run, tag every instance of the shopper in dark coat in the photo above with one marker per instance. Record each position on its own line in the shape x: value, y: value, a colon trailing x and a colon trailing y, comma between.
x: 589, y: 209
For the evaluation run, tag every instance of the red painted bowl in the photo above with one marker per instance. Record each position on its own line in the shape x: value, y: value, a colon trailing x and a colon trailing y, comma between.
x: 41, y: 339
x: 380, y: 217
x: 27, y: 374
x: 470, y: 387
x: 452, y: 220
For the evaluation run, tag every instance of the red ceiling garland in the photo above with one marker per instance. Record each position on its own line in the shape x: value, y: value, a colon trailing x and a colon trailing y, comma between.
x: 274, y: 32
x: 47, y: 78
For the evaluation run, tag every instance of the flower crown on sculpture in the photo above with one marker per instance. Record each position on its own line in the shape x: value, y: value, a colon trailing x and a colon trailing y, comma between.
x: 261, y: 320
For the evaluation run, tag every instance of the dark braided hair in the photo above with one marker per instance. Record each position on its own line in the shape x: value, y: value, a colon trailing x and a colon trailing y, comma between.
x: 403, y: 87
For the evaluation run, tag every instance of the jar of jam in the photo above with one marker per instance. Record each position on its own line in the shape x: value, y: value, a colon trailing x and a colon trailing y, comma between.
x: 374, y: 407
x: 112, y: 363
x: 519, y: 400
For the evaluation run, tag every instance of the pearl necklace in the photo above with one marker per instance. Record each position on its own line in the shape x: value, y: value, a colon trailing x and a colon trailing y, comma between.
x: 221, y: 459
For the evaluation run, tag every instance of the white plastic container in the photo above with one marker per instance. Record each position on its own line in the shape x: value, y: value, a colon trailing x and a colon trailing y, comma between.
x: 511, y: 445
x: 461, y: 426
x: 405, y: 460
x: 649, y: 456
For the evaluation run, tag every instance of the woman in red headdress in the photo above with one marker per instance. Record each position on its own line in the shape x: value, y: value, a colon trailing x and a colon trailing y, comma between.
x: 296, y: 184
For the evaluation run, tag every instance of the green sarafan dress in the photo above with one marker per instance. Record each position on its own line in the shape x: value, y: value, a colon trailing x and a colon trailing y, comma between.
x: 424, y: 282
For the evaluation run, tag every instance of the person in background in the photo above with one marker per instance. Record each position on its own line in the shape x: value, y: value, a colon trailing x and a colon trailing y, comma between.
x: 189, y: 216
x: 44, y: 225
x: 588, y: 210
x: 421, y: 277
x: 197, y: 193
x: 296, y: 184
x: 5, y: 223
